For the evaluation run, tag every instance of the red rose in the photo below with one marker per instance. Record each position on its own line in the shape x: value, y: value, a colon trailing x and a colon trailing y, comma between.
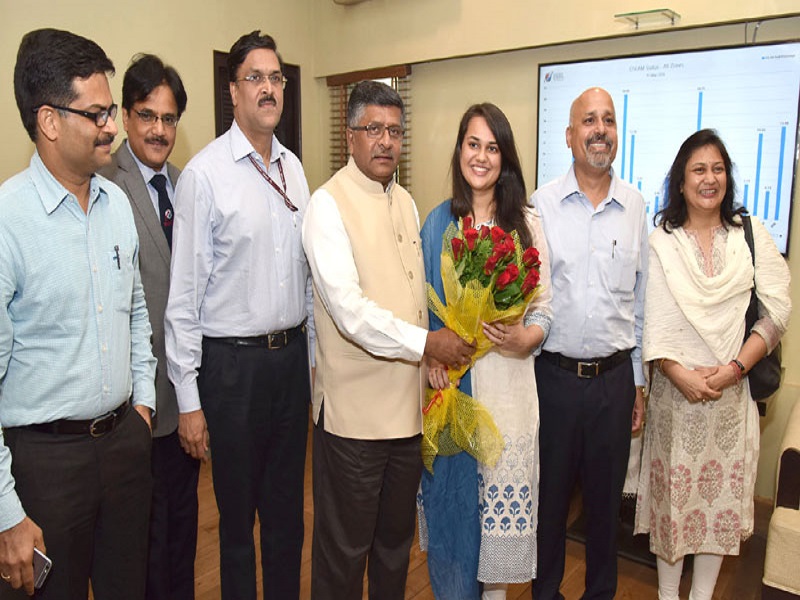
x: 458, y: 248
x: 508, y: 276
x: 497, y: 234
x: 491, y: 263
x: 467, y: 223
x: 504, y: 247
x: 471, y: 235
x: 530, y: 257
x: 530, y: 282
x: 485, y: 232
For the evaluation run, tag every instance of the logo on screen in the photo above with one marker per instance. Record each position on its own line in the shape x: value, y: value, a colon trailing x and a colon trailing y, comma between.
x: 552, y: 76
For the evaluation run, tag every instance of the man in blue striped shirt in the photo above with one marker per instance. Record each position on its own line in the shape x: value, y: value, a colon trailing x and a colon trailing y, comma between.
x: 74, y: 340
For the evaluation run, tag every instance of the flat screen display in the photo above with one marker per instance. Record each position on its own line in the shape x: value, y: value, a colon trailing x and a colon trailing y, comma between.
x: 749, y: 94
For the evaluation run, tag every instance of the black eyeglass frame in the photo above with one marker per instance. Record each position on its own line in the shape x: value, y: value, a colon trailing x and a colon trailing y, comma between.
x: 100, y: 118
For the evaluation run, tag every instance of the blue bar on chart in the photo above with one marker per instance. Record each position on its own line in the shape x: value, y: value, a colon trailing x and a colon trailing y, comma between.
x: 699, y: 110
x: 758, y: 172
x: 624, y: 132
x: 630, y: 167
x: 766, y: 205
x: 656, y: 208
x: 780, y: 173
x: 746, y: 189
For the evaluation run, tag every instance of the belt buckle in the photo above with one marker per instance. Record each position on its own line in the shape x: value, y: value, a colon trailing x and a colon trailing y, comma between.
x: 96, y: 427
x: 587, y: 370
x: 276, y: 336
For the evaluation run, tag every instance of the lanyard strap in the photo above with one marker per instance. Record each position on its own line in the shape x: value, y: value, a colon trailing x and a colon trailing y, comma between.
x: 271, y: 181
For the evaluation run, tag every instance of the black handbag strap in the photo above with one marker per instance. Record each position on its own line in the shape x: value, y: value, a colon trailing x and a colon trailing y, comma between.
x: 752, y: 310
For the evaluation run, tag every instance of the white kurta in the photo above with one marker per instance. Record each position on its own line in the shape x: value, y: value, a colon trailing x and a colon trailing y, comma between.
x: 509, y: 491
x: 699, y: 460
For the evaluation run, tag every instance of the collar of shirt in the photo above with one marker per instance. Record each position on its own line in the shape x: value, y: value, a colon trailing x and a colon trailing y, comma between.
x: 241, y: 146
x: 51, y: 192
x: 570, y: 188
x: 147, y: 175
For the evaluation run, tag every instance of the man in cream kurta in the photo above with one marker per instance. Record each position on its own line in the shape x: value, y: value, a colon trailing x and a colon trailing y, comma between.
x: 361, y: 236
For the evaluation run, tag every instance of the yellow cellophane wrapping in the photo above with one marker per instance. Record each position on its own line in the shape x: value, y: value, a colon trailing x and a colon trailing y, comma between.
x: 452, y: 420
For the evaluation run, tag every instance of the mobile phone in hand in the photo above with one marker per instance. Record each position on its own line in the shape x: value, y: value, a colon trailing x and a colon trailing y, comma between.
x: 41, y: 567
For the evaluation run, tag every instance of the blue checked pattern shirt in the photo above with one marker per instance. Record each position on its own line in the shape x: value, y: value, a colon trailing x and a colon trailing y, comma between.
x: 598, y: 268
x: 74, y: 332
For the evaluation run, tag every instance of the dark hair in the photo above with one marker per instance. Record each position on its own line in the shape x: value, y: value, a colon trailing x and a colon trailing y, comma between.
x: 375, y: 93
x: 509, y: 192
x: 244, y: 46
x: 48, y: 61
x: 145, y: 74
x: 674, y: 213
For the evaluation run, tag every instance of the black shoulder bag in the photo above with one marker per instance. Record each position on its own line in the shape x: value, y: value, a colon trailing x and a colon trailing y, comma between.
x: 765, y: 376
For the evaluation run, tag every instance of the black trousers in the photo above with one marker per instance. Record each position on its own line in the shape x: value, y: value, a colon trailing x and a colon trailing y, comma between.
x: 584, y: 431
x: 173, y: 521
x: 364, y: 507
x: 255, y: 402
x: 91, y: 497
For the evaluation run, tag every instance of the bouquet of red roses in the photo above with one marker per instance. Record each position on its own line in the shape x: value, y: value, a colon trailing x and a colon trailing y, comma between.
x: 487, y: 277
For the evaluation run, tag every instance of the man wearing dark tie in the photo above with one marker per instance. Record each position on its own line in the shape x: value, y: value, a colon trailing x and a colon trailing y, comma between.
x: 153, y: 100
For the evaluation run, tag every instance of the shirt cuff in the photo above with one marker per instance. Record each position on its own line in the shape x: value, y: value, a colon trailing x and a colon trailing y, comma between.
x: 11, y: 511
x: 188, y: 398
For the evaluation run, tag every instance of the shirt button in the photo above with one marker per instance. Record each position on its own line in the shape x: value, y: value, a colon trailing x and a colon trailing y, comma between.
x: 399, y: 237
x: 282, y: 285
x: 419, y: 315
x: 105, y: 388
x: 104, y: 348
x: 277, y: 249
x: 99, y: 308
x: 411, y: 275
x: 94, y: 268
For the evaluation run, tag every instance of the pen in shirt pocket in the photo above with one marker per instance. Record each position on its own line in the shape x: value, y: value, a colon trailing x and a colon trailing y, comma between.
x: 613, y: 247
x: 116, y: 256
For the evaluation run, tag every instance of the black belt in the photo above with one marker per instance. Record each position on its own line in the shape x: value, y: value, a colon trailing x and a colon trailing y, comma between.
x: 588, y: 367
x: 271, y: 341
x: 94, y: 427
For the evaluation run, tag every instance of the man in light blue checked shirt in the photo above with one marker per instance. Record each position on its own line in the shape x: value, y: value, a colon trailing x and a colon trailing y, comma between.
x: 74, y: 341
x: 589, y: 374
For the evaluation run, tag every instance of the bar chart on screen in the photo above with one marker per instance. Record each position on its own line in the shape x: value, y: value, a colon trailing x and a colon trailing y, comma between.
x: 748, y: 94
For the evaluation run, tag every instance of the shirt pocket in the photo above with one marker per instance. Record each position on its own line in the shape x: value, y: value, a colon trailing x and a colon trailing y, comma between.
x: 122, y: 278
x: 623, y: 270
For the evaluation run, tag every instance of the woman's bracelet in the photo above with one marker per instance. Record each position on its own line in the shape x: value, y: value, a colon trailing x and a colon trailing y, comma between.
x: 738, y: 369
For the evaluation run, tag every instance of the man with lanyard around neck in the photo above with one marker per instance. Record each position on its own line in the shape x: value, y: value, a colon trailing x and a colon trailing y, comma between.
x: 239, y: 308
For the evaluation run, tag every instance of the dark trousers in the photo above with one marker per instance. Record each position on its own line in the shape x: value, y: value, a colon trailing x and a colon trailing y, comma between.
x: 255, y: 402
x: 91, y: 498
x: 173, y: 521
x: 364, y: 506
x: 585, y: 430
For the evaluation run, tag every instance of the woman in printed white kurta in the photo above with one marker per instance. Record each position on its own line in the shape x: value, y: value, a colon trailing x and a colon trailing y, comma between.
x: 702, y: 437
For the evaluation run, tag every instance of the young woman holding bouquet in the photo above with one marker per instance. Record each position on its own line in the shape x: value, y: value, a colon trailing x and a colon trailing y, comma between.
x: 478, y: 523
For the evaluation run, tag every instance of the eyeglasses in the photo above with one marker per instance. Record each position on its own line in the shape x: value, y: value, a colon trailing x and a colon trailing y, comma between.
x: 275, y: 79
x: 375, y: 130
x: 146, y: 116
x: 100, y: 118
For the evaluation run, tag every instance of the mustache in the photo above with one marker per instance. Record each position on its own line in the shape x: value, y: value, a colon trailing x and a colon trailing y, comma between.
x: 157, y: 139
x: 267, y: 99
x: 104, y: 140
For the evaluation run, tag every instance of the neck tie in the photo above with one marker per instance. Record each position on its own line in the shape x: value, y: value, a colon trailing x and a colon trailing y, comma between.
x: 159, y: 182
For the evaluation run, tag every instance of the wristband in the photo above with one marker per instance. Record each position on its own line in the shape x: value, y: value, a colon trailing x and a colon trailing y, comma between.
x: 738, y: 371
